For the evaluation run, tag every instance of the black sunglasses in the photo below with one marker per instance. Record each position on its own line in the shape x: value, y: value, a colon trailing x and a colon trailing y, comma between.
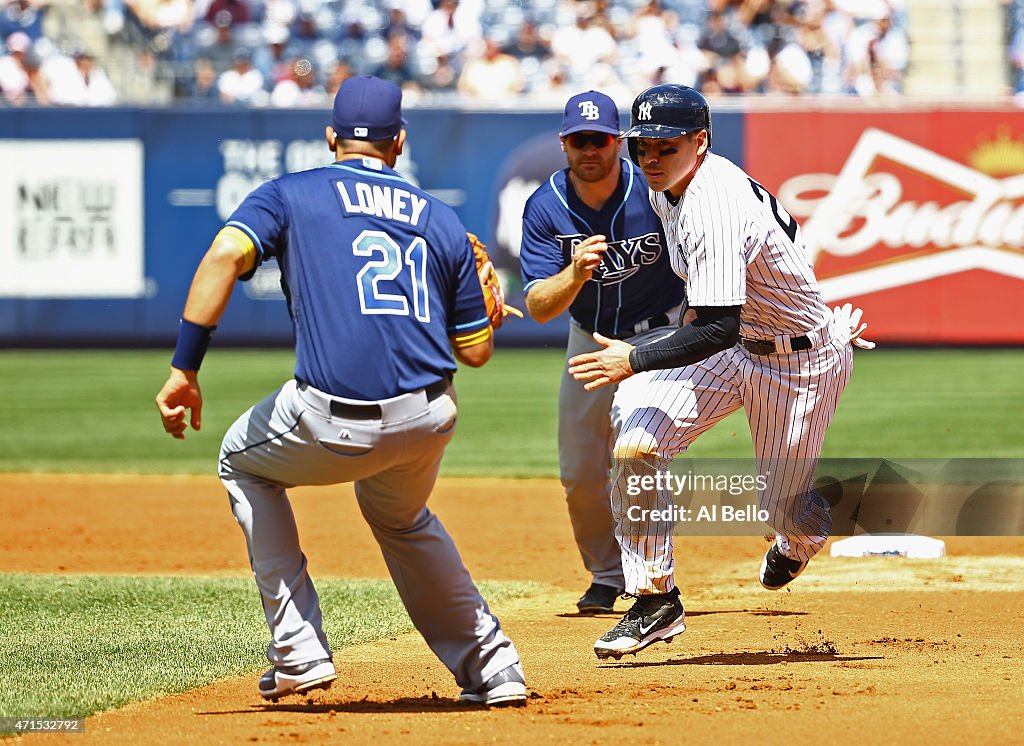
x: 580, y: 140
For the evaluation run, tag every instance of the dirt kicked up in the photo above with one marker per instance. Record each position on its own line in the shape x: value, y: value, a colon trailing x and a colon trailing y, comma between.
x: 858, y: 651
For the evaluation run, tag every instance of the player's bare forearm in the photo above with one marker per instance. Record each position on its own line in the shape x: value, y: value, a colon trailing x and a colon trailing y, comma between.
x: 213, y: 283
x: 180, y: 401
x: 550, y: 297
x: 602, y: 367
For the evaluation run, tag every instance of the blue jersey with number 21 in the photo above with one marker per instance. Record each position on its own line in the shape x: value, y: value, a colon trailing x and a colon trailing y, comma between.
x: 377, y: 272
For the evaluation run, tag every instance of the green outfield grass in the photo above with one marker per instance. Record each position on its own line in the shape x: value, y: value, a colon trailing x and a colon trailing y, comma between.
x: 77, y: 645
x: 92, y: 411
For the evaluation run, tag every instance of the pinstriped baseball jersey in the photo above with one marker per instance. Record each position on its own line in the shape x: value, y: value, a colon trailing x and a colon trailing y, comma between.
x: 734, y: 244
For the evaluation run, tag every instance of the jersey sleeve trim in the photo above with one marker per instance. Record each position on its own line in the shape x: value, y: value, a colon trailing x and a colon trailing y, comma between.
x: 470, y: 325
x: 469, y: 339
x: 697, y: 301
x: 241, y: 241
x: 251, y: 234
x: 531, y: 283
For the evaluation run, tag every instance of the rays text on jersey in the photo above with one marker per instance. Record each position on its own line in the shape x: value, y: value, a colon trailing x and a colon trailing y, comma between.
x: 383, y: 201
x: 623, y: 258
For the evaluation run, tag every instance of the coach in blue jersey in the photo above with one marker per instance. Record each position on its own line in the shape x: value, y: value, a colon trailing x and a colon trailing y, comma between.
x: 382, y: 289
x: 593, y: 245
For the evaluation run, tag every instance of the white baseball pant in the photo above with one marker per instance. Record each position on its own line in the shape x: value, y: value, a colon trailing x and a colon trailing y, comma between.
x: 789, y: 399
x: 585, y: 439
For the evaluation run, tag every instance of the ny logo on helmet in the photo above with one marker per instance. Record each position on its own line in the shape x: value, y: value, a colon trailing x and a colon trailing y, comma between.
x: 589, y: 110
x: 644, y: 112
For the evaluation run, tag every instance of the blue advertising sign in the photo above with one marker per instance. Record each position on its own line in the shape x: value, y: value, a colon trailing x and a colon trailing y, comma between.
x: 111, y: 210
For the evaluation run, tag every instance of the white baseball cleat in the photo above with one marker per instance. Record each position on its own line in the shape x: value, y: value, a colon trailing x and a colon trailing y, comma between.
x: 281, y: 681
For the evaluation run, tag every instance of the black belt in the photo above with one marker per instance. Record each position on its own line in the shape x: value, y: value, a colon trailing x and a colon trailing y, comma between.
x: 349, y: 411
x: 767, y: 346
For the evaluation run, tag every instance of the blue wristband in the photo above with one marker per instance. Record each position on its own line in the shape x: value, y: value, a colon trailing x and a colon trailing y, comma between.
x: 193, y: 339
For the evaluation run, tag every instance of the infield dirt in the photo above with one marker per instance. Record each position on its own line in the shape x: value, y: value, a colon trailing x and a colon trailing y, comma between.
x: 880, y: 650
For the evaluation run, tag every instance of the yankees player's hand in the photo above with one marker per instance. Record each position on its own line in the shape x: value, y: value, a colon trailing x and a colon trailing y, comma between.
x: 180, y: 392
x: 587, y: 255
x: 602, y: 367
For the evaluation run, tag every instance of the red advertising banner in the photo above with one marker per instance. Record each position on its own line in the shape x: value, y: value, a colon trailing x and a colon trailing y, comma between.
x: 917, y: 217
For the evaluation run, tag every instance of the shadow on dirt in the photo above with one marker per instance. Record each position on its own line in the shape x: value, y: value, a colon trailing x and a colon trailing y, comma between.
x: 762, y: 658
x: 755, y: 612
x: 432, y: 703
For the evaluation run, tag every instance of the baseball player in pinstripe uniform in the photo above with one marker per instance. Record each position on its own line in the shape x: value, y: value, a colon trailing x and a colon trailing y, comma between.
x: 382, y: 288
x: 759, y: 338
x: 593, y: 245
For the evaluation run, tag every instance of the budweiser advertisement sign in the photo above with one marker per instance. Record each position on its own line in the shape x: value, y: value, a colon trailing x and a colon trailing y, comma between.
x: 917, y: 217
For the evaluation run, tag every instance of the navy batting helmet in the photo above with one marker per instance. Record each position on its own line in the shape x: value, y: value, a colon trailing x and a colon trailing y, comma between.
x: 666, y: 111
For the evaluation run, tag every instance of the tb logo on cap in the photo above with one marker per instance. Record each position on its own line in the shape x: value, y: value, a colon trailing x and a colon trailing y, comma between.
x: 589, y: 110
x: 644, y: 112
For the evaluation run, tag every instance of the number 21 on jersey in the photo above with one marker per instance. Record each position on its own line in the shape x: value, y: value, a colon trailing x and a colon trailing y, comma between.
x: 388, y: 262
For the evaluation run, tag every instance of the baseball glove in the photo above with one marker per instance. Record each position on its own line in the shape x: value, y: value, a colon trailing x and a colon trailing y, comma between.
x: 494, y: 297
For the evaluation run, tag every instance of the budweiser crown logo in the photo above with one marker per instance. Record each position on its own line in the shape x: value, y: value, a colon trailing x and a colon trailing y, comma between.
x: 898, y: 213
x: 999, y: 156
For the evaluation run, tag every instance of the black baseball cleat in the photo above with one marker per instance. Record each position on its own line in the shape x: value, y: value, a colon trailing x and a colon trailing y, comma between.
x: 599, y: 599
x: 777, y: 570
x: 281, y: 681
x: 652, y: 618
x: 507, y: 688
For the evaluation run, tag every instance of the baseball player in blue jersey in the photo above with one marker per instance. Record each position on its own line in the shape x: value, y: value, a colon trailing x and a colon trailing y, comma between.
x: 593, y: 245
x: 382, y: 289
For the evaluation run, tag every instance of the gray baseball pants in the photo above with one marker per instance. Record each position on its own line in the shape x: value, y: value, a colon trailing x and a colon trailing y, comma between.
x: 292, y: 438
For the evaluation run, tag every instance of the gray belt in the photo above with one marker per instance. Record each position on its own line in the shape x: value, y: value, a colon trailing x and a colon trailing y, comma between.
x: 654, y: 322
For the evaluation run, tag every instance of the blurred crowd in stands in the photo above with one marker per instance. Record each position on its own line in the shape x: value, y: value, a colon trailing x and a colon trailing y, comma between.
x: 295, y: 53
x: 1013, y: 27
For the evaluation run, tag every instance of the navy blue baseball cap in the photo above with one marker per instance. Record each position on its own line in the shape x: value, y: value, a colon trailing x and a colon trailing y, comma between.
x: 592, y: 111
x: 367, y: 108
